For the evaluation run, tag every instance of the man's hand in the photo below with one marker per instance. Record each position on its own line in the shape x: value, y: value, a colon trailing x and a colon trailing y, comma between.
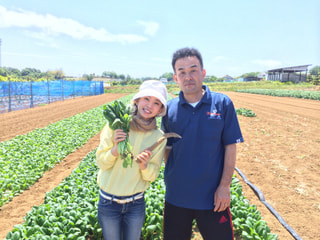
x: 222, y: 198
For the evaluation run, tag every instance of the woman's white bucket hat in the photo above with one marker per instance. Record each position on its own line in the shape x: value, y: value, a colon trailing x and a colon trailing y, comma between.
x: 156, y: 89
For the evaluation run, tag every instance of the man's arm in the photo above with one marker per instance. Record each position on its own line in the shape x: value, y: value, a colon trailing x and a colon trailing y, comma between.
x: 222, y: 196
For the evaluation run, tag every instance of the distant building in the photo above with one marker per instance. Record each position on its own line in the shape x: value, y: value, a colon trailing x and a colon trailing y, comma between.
x: 251, y: 78
x: 227, y: 78
x: 289, y: 74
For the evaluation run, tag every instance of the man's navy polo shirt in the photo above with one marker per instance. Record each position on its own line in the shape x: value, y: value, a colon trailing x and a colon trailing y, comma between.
x: 194, y: 167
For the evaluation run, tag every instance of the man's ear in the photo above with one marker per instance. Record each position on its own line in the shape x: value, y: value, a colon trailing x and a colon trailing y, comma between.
x: 204, y: 73
x: 175, y: 78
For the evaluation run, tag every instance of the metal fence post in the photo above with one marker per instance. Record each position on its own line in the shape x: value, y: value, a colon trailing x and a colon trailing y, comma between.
x: 62, y: 89
x: 9, y: 95
x: 81, y: 88
x: 31, y: 93
x: 48, y: 91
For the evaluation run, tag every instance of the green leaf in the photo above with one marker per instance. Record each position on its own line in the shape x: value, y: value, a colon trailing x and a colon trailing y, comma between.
x: 151, y: 228
x: 16, y: 236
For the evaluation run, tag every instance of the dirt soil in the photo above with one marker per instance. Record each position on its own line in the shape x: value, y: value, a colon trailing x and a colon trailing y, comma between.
x: 280, y: 156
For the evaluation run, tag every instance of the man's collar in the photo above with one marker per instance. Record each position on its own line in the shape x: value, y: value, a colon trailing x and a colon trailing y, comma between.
x: 206, y: 98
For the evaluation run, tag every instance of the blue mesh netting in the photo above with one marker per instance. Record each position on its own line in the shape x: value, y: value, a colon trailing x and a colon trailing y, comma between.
x: 20, y: 95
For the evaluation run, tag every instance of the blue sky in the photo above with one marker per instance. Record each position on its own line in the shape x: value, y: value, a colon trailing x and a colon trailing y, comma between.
x: 138, y: 38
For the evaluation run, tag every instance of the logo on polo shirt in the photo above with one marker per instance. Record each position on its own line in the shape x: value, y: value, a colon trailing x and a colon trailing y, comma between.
x: 213, y: 113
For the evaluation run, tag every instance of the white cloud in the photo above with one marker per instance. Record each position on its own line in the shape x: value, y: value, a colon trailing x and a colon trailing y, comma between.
x: 150, y: 27
x: 268, y: 64
x: 54, y: 26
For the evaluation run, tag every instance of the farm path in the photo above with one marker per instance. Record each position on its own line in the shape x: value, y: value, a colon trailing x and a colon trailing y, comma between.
x: 23, y: 121
x: 280, y: 156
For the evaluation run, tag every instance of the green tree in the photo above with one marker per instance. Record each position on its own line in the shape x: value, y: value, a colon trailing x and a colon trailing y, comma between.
x: 57, y: 74
x: 250, y: 74
x: 122, y: 76
x: 47, y: 75
x: 88, y: 77
x: 210, y: 78
x: 13, y: 71
x: 315, y: 70
x: 32, y: 72
x: 3, y: 72
x: 128, y: 78
x: 135, y: 82
x: 124, y: 82
x: 109, y: 74
x: 25, y: 72
x: 168, y: 76
x: 113, y: 75
x: 105, y: 74
x: 314, y: 79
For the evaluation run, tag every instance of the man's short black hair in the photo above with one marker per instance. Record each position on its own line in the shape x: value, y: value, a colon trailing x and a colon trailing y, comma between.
x: 186, y: 52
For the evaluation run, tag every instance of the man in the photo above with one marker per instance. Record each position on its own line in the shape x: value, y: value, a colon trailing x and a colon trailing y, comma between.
x: 200, y: 165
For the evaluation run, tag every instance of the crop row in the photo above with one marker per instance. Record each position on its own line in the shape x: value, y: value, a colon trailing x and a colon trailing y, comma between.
x: 69, y: 211
x: 25, y: 158
x: 314, y: 95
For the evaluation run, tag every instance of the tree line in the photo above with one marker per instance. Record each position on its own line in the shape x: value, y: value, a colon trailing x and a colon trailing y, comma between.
x: 28, y: 74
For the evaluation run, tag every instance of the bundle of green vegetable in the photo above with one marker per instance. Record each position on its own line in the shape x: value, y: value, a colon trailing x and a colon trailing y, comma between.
x: 245, y: 112
x: 118, y: 116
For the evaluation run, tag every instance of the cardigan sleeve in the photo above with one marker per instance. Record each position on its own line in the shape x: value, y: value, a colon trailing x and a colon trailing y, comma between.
x: 152, y: 171
x: 104, y: 157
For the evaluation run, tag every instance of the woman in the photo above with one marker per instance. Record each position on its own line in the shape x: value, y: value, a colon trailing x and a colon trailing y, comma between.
x: 121, y: 207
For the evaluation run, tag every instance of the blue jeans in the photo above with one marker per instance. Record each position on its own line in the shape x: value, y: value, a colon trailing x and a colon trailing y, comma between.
x: 121, y: 221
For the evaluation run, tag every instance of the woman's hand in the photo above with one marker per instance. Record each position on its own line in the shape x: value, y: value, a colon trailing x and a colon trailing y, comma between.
x: 143, y: 159
x: 119, y: 135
